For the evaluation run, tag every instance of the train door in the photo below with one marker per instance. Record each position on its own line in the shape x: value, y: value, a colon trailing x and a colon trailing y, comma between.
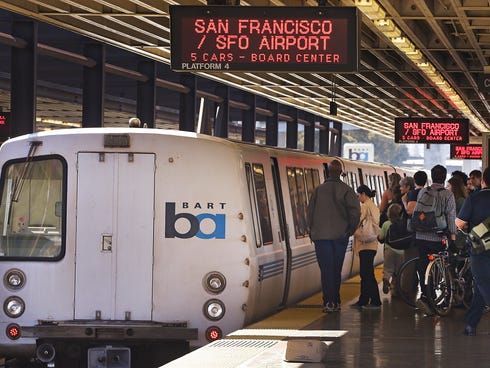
x: 283, y: 232
x: 114, y: 240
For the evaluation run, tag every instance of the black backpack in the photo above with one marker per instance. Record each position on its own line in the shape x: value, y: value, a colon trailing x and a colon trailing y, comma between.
x: 398, y: 235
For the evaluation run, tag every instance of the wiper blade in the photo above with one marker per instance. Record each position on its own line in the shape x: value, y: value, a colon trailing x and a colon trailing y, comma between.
x: 19, y: 183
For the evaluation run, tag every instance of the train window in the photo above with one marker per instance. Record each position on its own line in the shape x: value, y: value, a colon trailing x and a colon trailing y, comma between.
x: 32, y: 209
x: 253, y: 203
x: 378, y: 189
x: 353, y: 180
x: 312, y: 181
x: 259, y: 203
x: 297, y: 192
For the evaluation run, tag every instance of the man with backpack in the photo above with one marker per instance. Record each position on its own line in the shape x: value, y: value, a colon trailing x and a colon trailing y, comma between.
x: 433, y: 216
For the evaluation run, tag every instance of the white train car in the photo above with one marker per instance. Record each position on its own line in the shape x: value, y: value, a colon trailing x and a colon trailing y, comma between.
x: 140, y: 239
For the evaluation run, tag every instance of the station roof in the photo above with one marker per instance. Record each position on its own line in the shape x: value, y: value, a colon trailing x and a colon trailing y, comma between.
x: 430, y: 69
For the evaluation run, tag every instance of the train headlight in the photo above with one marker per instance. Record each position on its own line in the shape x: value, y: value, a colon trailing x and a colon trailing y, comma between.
x: 14, y: 306
x: 14, y: 279
x: 214, y: 309
x: 214, y: 282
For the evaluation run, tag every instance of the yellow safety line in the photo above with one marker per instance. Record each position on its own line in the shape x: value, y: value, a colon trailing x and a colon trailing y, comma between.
x: 310, y: 309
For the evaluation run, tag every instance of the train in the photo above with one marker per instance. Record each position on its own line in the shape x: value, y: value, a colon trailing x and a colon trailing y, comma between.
x: 136, y: 244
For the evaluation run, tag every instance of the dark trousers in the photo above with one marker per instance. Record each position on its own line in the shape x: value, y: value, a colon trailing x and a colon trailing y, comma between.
x: 330, y: 255
x: 480, y: 267
x: 369, y: 285
x: 425, y: 248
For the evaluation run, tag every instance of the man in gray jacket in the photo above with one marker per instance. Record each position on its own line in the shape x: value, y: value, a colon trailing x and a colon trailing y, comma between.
x: 333, y: 215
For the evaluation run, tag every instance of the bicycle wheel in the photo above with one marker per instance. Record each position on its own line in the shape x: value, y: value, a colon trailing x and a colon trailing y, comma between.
x: 407, y: 282
x: 439, y: 283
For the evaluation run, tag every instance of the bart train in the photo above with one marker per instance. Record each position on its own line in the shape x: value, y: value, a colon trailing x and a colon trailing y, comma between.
x: 127, y: 242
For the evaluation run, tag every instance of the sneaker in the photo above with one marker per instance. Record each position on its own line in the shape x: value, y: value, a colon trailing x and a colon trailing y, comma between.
x: 470, y: 331
x: 337, y: 307
x: 424, y: 306
x: 386, y: 286
x: 371, y: 306
x: 330, y: 307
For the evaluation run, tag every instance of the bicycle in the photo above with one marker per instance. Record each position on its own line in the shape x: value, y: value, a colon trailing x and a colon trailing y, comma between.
x: 448, y: 278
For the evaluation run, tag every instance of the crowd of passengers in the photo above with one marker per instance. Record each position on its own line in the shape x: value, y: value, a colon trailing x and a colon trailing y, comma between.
x: 466, y: 203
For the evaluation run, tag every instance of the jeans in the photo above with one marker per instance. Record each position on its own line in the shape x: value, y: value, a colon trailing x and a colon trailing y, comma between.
x: 480, y: 267
x: 330, y: 255
x: 369, y: 285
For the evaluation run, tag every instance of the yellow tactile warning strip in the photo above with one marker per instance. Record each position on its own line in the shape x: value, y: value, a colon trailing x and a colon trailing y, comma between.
x: 309, y: 310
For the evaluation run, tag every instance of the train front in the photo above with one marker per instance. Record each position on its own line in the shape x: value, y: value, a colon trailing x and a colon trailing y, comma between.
x: 119, y: 243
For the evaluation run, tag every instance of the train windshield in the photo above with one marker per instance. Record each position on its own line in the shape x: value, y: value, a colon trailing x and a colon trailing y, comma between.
x: 31, y: 209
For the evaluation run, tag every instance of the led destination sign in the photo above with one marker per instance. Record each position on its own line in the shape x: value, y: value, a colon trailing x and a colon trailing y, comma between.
x: 467, y: 152
x: 275, y: 39
x: 431, y: 130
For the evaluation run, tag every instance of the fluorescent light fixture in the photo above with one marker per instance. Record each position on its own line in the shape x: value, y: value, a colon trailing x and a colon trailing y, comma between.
x: 403, y: 44
x: 416, y: 56
x: 371, y: 8
x: 388, y: 27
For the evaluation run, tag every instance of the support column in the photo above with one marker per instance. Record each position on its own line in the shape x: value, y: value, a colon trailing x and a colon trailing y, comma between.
x: 147, y: 93
x: 292, y: 130
x: 272, y: 125
x: 324, y: 135
x: 309, y: 144
x: 249, y: 119
x: 187, y: 110
x: 24, y: 73
x: 223, y: 116
x: 94, y: 86
x: 336, y: 141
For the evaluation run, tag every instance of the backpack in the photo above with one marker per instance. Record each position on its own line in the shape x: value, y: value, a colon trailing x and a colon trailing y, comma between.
x: 428, y: 214
x: 398, y: 235
x: 480, y: 236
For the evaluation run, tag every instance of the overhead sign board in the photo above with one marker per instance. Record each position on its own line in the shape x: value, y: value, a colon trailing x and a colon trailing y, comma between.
x: 432, y: 130
x: 467, y: 151
x: 267, y: 39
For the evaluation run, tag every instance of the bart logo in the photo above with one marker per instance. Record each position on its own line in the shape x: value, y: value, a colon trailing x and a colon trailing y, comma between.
x: 194, y: 224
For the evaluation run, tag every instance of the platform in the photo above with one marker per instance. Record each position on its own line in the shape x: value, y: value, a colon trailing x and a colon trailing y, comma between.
x: 397, y: 335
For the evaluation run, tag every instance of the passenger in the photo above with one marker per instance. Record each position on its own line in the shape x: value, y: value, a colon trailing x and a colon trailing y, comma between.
x: 420, y: 180
x: 406, y: 185
x: 369, y: 298
x: 393, y: 258
x: 429, y: 242
x: 456, y: 185
x: 475, y: 181
x: 333, y: 216
x: 475, y: 209
x: 391, y: 195
x: 463, y: 177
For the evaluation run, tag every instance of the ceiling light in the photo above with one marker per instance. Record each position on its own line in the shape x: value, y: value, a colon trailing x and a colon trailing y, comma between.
x: 371, y: 8
x: 388, y: 28
x: 415, y: 55
x: 403, y: 44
